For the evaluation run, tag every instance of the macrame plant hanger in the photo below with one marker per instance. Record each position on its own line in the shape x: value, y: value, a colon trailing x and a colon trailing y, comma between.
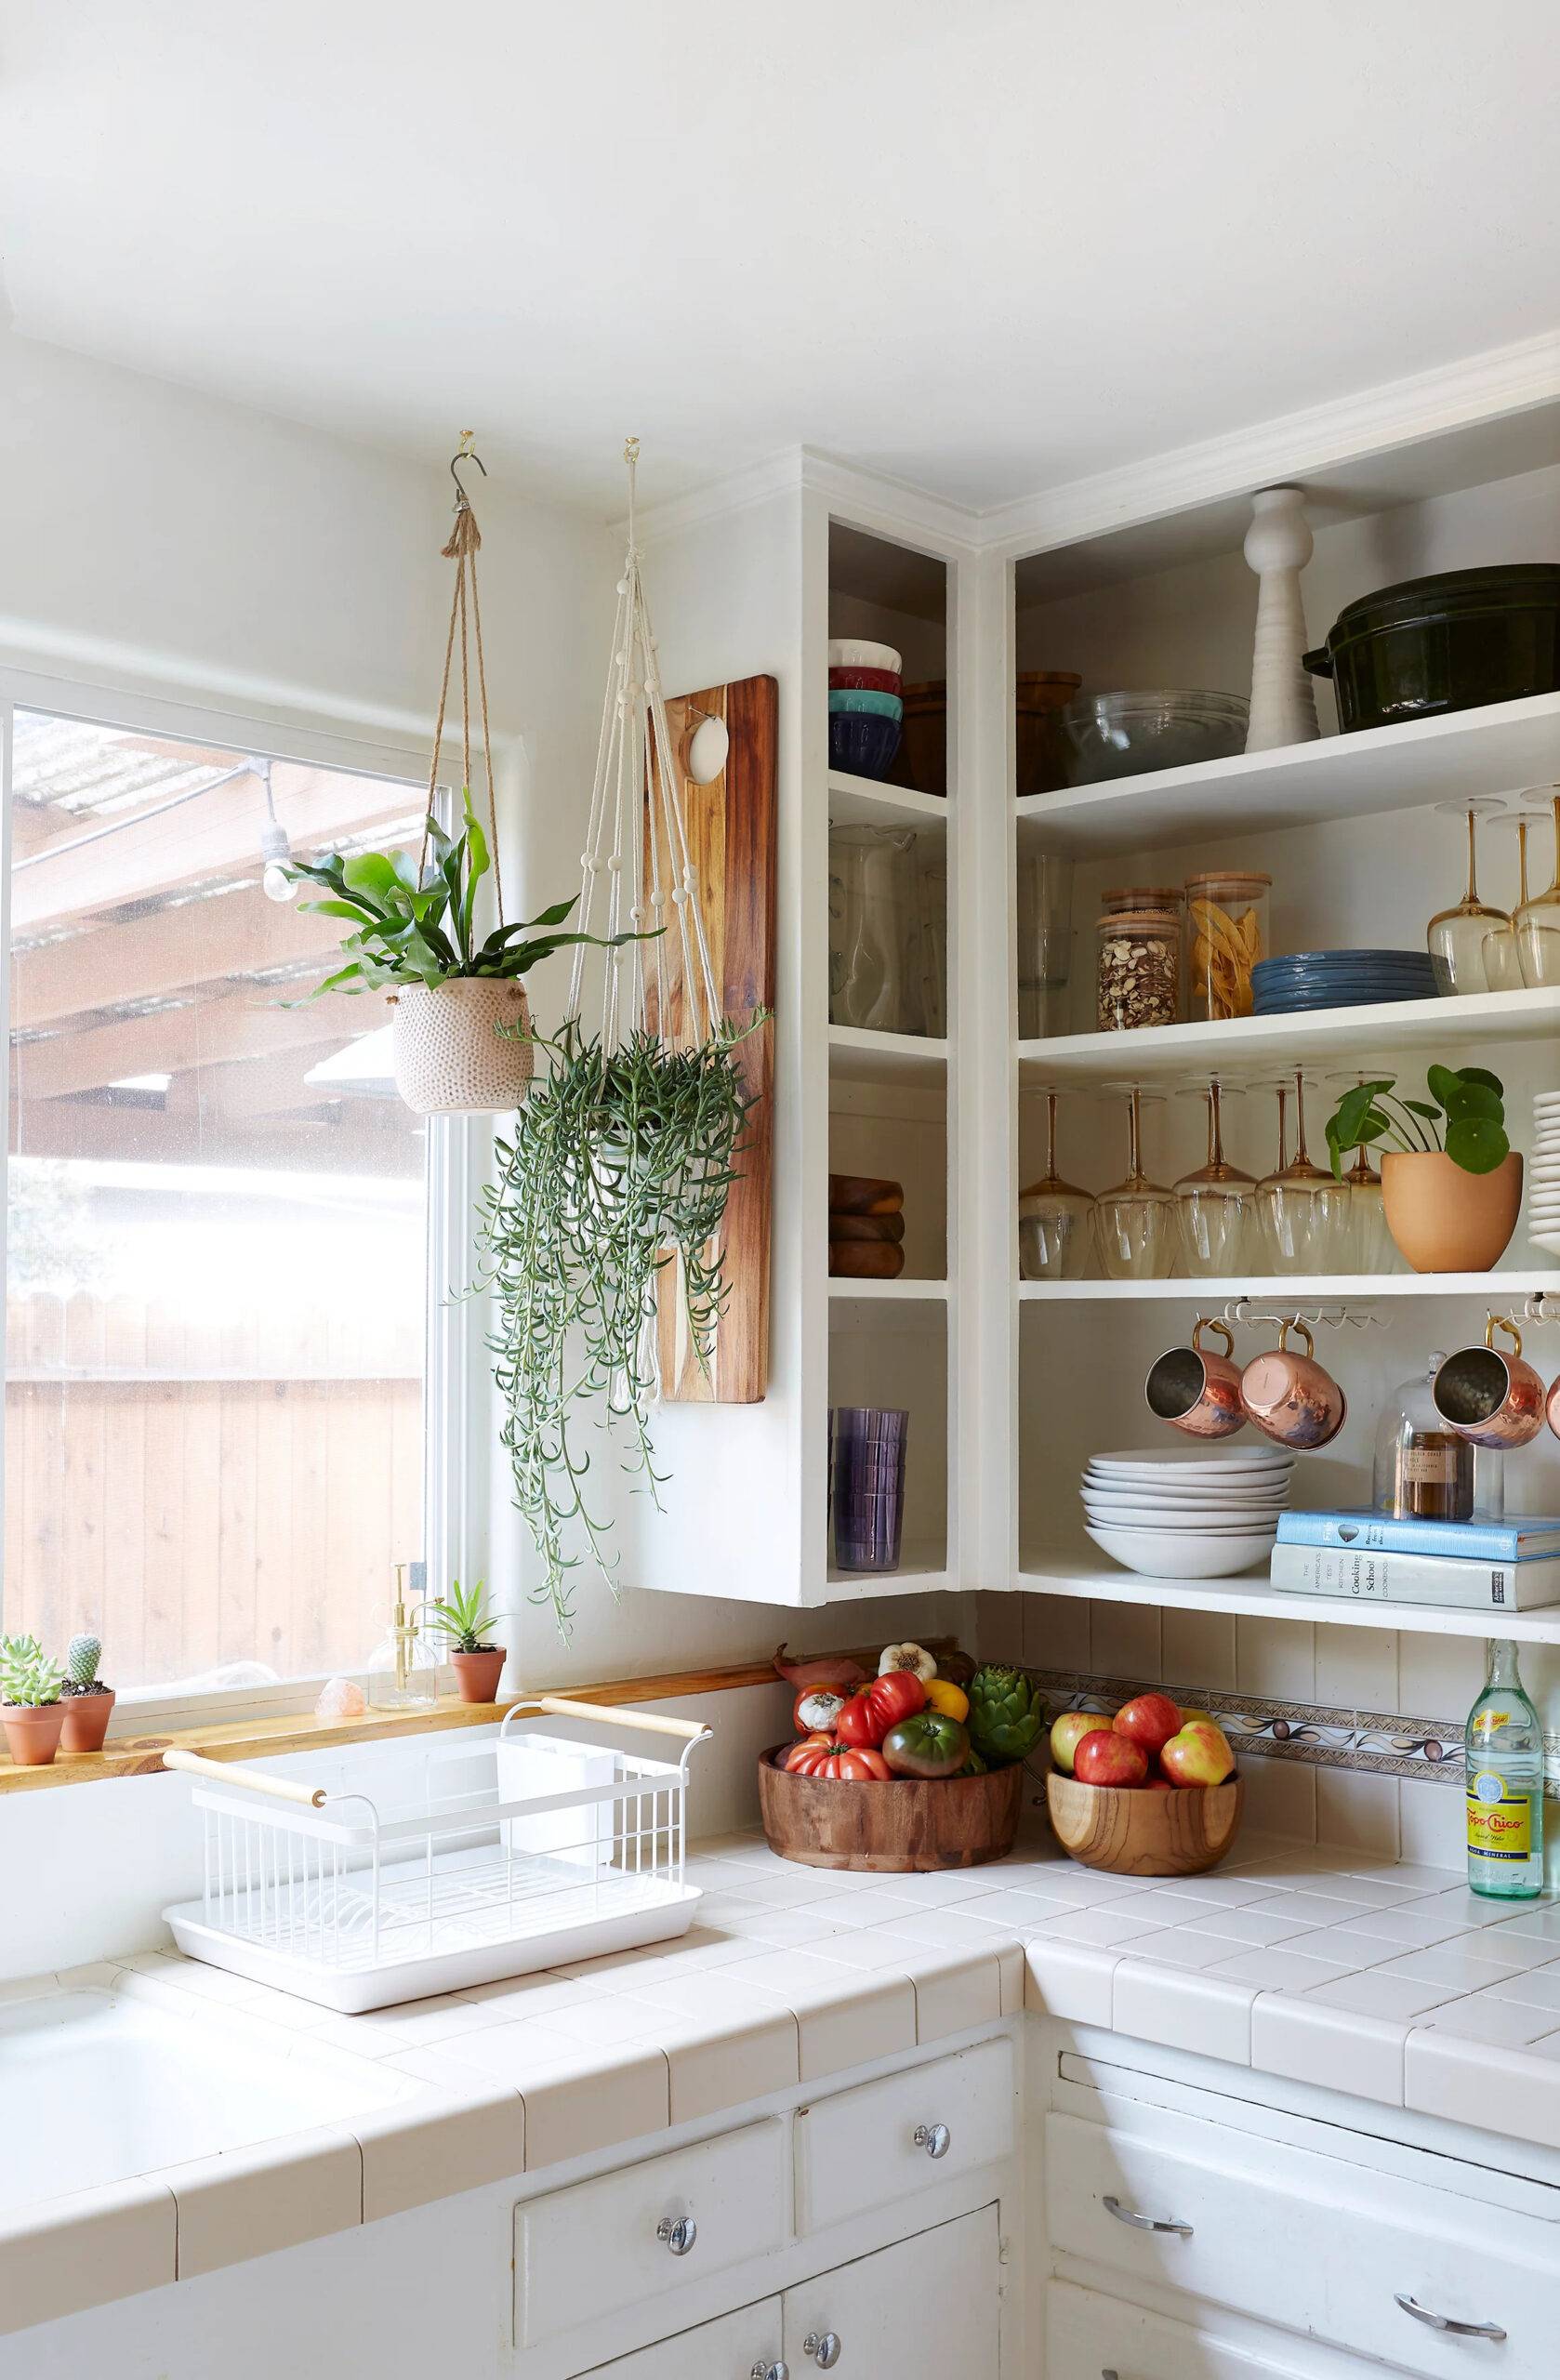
x: 466, y: 616
x: 637, y: 832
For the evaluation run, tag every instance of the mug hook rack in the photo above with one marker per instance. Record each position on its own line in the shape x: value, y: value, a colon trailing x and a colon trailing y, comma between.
x: 1238, y: 1314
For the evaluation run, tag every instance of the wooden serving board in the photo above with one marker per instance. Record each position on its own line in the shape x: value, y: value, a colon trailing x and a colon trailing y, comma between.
x: 732, y: 826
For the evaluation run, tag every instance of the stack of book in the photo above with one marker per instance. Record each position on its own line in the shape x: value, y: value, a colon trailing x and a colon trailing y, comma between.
x: 1466, y: 1566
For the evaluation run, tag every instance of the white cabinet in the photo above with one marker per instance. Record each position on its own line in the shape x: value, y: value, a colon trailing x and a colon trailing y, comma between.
x: 887, y: 2139
x: 1090, y: 2337
x: 738, y: 2347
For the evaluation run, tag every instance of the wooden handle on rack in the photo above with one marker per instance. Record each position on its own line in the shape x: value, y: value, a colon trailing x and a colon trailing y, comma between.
x: 561, y: 1708
x: 254, y: 1780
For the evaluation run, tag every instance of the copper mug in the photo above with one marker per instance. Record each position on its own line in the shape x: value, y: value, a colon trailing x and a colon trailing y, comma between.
x: 1489, y: 1398
x: 1197, y: 1392
x: 1291, y: 1398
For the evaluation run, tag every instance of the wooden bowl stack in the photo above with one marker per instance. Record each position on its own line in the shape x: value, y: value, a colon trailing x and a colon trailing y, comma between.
x: 865, y: 1227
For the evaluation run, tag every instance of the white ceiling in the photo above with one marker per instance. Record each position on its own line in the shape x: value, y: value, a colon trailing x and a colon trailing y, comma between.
x: 986, y: 245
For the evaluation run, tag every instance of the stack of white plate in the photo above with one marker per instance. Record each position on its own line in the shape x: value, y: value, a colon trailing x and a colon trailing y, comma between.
x: 1187, y: 1512
x: 1543, y: 1172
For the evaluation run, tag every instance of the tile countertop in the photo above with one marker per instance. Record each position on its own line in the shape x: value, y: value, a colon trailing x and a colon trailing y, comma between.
x: 1390, y: 1982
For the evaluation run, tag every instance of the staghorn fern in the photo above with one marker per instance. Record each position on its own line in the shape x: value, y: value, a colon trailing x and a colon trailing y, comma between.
x: 81, y: 1656
x: 28, y: 1677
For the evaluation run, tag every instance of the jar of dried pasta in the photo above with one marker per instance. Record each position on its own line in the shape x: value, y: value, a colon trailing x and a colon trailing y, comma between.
x: 1138, y: 971
x: 1226, y: 933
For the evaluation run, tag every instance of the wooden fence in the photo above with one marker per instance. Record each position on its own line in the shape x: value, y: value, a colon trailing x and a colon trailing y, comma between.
x: 199, y: 1493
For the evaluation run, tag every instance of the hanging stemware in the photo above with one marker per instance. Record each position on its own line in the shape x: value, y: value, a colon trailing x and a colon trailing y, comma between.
x: 1134, y: 1223
x: 1055, y: 1219
x: 1216, y: 1206
x: 1304, y: 1213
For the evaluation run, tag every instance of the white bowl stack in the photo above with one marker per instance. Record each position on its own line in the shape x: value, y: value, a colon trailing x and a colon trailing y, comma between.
x: 1543, y: 1173
x: 1186, y: 1512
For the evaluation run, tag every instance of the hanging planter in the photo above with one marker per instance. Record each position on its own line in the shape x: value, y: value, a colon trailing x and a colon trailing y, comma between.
x: 624, y: 1153
x: 461, y: 1022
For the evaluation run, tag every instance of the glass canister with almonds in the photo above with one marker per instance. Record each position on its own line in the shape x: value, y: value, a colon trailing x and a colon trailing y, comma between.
x: 1226, y: 933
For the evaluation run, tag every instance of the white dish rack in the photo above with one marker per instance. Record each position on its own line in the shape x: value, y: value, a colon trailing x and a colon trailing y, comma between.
x: 518, y: 1854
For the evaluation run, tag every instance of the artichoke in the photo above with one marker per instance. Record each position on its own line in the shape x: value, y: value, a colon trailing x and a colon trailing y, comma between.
x: 1006, y: 1714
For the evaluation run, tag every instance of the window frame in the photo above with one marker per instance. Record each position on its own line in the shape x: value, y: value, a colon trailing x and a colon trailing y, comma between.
x: 455, y: 1159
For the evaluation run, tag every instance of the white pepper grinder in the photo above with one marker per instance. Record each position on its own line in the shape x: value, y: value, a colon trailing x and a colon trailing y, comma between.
x: 1278, y: 545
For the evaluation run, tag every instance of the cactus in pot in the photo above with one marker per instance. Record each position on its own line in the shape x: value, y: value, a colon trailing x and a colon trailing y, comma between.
x: 31, y: 1685
x: 88, y: 1703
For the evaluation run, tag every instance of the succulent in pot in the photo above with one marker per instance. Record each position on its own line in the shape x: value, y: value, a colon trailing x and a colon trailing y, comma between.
x: 1452, y: 1182
x: 86, y: 1701
x: 31, y: 1685
x: 465, y: 1619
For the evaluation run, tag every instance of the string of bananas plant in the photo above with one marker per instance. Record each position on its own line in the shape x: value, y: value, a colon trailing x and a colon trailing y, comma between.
x: 621, y: 1162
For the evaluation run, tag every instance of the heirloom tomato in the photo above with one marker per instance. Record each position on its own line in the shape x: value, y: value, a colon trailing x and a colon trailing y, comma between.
x: 868, y: 1716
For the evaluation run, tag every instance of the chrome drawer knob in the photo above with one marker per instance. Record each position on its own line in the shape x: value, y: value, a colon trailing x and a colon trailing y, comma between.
x: 935, y: 2138
x: 824, y: 2348
x: 1149, y: 2222
x: 762, y: 2371
x: 678, y: 2236
x: 1444, y: 2322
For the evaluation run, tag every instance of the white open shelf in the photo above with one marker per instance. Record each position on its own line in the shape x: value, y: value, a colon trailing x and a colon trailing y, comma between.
x: 1501, y: 749
x: 1301, y: 1289
x: 904, y: 1291
x: 1453, y: 1027
x: 1253, y: 1597
x: 923, y: 1566
x: 862, y: 802
x: 856, y: 1055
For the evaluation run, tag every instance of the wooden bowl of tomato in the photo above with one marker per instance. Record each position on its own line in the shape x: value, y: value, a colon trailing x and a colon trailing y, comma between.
x: 844, y: 1814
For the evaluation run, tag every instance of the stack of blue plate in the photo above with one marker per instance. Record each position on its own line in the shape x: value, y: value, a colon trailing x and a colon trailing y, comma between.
x: 1340, y: 979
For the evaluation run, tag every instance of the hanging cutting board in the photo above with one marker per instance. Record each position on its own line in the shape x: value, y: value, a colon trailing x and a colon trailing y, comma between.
x: 731, y: 827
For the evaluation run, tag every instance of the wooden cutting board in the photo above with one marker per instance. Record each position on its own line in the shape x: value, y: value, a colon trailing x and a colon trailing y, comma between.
x: 732, y: 825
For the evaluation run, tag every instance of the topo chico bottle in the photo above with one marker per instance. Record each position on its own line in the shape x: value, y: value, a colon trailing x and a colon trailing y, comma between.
x: 1505, y: 1768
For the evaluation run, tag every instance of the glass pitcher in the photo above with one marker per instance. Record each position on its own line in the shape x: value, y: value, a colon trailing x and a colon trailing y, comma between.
x: 874, y: 931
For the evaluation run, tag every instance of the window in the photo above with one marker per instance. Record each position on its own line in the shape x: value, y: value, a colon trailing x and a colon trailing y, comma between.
x: 217, y: 1239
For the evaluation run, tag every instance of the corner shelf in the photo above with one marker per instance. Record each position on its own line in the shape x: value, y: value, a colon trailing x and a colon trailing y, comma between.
x: 856, y: 1055
x: 1253, y: 1597
x: 905, y: 1291
x: 924, y: 1567
x: 862, y: 801
x: 1301, y: 1289
x: 1488, y: 750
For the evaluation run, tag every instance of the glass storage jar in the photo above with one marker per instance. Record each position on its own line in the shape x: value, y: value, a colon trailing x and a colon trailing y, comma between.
x: 1422, y: 1470
x: 1226, y: 933
x: 1138, y: 969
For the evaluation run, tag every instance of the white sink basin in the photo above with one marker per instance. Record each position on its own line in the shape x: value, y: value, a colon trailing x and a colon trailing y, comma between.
x: 97, y: 2087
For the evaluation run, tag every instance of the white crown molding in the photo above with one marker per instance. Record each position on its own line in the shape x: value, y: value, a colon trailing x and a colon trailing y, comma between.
x: 759, y: 482
x: 874, y: 500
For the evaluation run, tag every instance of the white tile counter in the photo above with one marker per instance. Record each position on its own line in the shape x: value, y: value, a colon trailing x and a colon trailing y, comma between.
x: 1387, y: 1981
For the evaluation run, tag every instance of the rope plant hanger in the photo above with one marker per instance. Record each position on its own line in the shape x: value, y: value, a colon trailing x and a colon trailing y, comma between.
x: 462, y: 1020
x: 623, y: 1158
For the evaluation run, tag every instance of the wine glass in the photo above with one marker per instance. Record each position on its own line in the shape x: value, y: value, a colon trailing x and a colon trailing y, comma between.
x: 1055, y: 1219
x: 1216, y: 1207
x: 1473, y: 944
x: 1369, y: 1245
x: 1134, y: 1223
x: 1536, y: 922
x: 1305, y: 1214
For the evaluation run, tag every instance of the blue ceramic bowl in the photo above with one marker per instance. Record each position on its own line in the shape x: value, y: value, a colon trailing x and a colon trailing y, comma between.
x: 862, y: 743
x: 865, y: 699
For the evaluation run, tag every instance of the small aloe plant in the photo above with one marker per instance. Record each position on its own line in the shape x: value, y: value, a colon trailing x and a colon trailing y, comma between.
x: 464, y: 1618
x: 81, y: 1656
x: 29, y: 1679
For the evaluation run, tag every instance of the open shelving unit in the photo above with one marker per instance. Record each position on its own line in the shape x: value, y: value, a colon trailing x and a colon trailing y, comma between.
x: 1252, y: 1598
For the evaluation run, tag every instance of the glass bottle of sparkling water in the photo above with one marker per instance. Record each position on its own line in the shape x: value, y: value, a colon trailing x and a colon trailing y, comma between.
x: 1505, y: 1757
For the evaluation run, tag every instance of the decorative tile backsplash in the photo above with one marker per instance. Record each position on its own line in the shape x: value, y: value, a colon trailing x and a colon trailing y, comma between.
x: 1374, y: 1742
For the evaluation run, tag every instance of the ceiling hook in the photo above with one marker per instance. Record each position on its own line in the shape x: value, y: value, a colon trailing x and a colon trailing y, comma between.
x: 465, y: 453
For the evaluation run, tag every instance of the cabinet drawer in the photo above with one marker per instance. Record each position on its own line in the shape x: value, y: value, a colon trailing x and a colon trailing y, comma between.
x: 733, y: 2348
x: 1087, y: 2335
x: 586, y: 2252
x: 860, y: 2149
x: 1309, y: 2242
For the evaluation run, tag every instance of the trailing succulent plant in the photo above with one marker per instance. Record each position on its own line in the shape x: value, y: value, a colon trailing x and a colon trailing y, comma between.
x: 81, y: 1656
x: 1006, y: 1713
x: 28, y: 1677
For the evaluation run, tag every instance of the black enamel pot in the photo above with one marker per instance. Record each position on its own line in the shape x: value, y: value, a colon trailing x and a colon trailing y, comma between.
x: 1449, y: 642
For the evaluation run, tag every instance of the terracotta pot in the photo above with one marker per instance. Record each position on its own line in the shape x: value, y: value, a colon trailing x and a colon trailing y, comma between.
x: 450, y: 1058
x: 477, y: 1675
x: 86, y: 1720
x: 32, y: 1732
x: 1444, y: 1220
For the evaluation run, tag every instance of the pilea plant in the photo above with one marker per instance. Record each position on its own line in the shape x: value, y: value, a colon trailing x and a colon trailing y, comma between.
x: 1464, y: 1116
x: 621, y: 1162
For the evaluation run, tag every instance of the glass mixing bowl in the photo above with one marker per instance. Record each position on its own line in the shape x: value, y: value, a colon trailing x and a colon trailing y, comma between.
x: 1127, y: 734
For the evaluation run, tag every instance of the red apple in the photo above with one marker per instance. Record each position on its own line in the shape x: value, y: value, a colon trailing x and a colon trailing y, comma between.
x: 1160, y: 1785
x: 1149, y: 1720
x: 1105, y: 1758
x: 1069, y: 1733
x: 1200, y: 1754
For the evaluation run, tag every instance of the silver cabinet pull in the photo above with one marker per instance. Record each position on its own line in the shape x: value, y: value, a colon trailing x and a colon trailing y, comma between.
x: 1148, y: 2222
x: 762, y: 2371
x: 679, y: 2235
x: 1444, y: 2322
x: 824, y: 2348
x: 935, y: 2138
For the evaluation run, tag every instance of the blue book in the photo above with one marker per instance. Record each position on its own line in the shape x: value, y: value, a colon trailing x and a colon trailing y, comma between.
x: 1527, y: 1536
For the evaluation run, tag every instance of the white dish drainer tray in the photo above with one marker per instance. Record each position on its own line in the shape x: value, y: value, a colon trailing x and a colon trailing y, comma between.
x: 521, y: 1853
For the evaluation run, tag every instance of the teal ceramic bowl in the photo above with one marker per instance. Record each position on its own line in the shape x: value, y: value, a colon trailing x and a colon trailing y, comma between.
x: 867, y: 700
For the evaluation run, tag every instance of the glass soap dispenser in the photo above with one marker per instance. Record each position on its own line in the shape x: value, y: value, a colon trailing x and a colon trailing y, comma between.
x: 1424, y: 1471
x: 403, y: 1668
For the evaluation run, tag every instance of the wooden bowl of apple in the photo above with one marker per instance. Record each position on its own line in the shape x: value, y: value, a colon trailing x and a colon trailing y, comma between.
x: 1151, y: 1791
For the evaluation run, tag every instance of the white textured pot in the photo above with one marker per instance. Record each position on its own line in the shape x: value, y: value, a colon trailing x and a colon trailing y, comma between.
x: 450, y: 1058
x: 1278, y: 545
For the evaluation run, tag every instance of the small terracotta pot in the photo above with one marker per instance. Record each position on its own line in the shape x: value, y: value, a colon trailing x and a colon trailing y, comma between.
x: 32, y: 1732
x: 1444, y: 1220
x: 477, y: 1675
x: 1197, y: 1392
x: 86, y: 1720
